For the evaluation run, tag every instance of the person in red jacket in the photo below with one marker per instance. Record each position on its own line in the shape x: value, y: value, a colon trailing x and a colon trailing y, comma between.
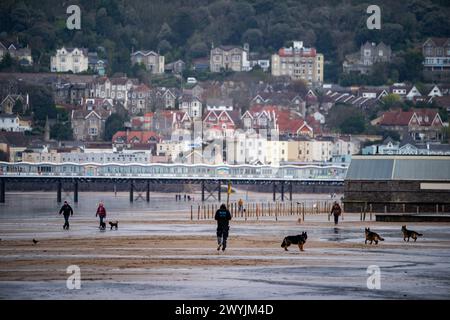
x: 101, y: 212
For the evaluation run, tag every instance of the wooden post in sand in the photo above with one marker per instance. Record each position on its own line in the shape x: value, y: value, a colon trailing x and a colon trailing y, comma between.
x: 198, y: 213
x: 257, y: 212
x: 192, y: 213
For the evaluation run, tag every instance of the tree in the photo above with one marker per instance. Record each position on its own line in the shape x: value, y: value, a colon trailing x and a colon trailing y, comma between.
x: 253, y: 37
x: 18, y: 107
x: 3, y: 156
x: 61, y: 131
x: 113, y: 124
x: 165, y: 33
x: 412, y: 67
x: 7, y: 62
x: 355, y: 124
x: 183, y: 26
x: 391, y: 101
x: 379, y: 74
x: 346, y: 119
x: 164, y: 46
x: 42, y: 102
x: 198, y: 50
x: 299, y: 86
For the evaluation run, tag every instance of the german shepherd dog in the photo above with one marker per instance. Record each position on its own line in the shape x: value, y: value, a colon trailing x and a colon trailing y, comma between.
x: 114, y: 224
x: 410, y: 234
x: 372, y: 236
x: 299, y: 240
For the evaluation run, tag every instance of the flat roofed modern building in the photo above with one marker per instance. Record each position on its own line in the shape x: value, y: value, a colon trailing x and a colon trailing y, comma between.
x: 398, y: 184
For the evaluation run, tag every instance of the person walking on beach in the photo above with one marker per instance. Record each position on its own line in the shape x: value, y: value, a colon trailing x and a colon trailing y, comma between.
x: 336, y: 211
x: 240, y: 206
x: 67, y: 211
x: 223, y: 217
x: 101, y: 213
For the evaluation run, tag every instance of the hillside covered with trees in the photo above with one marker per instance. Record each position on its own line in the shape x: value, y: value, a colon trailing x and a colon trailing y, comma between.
x: 186, y: 29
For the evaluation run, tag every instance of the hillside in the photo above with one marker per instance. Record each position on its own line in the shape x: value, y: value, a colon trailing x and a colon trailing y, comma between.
x: 186, y: 29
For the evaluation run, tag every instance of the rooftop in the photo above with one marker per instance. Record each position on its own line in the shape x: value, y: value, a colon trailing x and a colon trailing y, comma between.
x: 423, y: 168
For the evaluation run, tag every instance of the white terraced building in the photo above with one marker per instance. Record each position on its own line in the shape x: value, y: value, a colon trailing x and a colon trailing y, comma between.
x: 70, y: 59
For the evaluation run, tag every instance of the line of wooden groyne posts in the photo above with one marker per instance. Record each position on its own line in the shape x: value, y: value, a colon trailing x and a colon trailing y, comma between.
x: 257, y: 210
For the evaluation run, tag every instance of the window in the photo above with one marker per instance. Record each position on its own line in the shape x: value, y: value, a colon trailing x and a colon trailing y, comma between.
x: 92, y: 131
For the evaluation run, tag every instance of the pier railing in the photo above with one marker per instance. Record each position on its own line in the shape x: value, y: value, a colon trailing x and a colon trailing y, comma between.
x: 306, y: 172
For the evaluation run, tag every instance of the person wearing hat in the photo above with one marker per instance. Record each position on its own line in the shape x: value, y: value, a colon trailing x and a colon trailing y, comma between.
x: 101, y: 213
x: 223, y: 217
x: 67, y: 211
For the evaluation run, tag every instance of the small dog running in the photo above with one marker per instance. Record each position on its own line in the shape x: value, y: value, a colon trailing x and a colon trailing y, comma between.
x: 114, y: 224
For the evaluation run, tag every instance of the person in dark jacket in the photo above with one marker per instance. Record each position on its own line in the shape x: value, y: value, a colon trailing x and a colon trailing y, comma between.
x: 336, y: 211
x: 223, y: 217
x: 67, y: 211
x: 101, y: 212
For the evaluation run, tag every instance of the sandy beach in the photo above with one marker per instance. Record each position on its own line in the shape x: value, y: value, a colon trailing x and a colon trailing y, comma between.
x: 164, y: 255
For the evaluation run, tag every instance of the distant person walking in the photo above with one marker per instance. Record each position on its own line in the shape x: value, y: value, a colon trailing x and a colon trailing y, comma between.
x: 223, y: 217
x: 67, y: 211
x: 240, y: 206
x: 101, y: 213
x: 336, y: 211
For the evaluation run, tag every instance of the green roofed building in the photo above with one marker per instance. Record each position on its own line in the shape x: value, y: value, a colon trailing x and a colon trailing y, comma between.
x: 398, y: 184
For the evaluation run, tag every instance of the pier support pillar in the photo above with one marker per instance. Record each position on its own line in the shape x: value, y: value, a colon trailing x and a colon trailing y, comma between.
x: 58, y: 193
x: 290, y: 191
x: 148, y: 191
x: 203, y: 191
x: 131, y: 191
x: 219, y: 191
x: 2, y: 190
x: 274, y: 191
x: 75, y: 191
x: 282, y: 191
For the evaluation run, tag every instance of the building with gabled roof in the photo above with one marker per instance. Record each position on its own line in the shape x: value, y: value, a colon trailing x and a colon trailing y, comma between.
x: 7, y: 105
x: 153, y: 62
x: 89, y: 125
x: 70, y: 59
x: 421, y: 124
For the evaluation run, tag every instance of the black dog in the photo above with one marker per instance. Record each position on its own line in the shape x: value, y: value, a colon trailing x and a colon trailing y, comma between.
x: 299, y: 240
x: 114, y: 224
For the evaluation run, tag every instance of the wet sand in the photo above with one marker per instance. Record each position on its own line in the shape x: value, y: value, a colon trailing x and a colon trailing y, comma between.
x: 164, y: 255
